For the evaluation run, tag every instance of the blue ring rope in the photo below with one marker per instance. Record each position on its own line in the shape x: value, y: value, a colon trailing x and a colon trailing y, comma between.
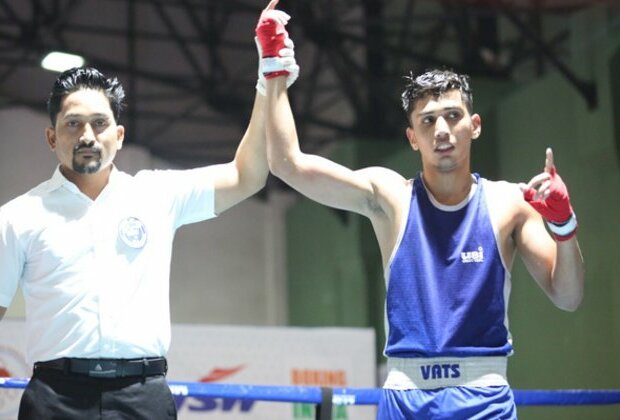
x: 357, y: 396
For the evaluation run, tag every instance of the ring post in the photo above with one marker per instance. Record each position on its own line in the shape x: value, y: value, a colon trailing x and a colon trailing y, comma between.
x: 323, y: 410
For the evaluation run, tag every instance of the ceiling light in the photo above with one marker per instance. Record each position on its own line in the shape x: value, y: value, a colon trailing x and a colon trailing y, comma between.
x: 59, y: 61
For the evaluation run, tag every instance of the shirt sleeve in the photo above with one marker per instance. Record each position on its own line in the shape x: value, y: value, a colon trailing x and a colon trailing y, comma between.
x: 11, y: 260
x: 191, y: 194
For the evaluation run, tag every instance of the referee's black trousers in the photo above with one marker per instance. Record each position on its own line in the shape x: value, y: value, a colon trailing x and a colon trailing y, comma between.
x: 53, y: 394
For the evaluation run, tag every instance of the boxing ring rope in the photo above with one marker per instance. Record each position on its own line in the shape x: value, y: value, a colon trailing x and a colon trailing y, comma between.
x: 324, y: 398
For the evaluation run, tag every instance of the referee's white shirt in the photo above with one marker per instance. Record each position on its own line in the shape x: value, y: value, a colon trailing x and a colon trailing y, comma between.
x: 95, y: 274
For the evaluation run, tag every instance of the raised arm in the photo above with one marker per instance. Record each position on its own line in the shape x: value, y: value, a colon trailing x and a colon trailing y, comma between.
x: 247, y: 173
x: 316, y: 177
x: 556, y: 265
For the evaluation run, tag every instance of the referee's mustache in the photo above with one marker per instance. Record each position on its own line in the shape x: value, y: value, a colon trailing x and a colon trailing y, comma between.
x: 89, y: 145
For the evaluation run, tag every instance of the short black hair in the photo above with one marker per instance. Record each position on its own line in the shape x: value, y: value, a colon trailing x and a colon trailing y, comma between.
x: 435, y: 82
x: 79, y: 78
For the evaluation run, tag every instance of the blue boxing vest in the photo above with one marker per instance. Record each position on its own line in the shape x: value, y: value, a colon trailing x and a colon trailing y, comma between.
x: 447, y: 286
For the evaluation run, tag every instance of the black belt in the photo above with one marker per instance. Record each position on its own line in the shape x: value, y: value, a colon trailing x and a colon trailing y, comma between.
x: 108, y: 368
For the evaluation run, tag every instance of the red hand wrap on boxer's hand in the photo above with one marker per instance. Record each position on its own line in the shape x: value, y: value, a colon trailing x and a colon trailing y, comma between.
x: 556, y: 208
x: 271, y: 35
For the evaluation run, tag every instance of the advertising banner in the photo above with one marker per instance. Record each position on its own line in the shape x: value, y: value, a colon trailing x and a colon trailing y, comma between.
x: 282, y: 356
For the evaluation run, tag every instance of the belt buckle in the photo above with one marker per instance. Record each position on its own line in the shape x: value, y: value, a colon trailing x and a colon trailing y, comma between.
x: 103, y: 369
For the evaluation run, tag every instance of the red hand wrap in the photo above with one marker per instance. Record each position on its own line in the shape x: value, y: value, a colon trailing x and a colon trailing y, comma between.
x: 556, y: 207
x: 271, y: 35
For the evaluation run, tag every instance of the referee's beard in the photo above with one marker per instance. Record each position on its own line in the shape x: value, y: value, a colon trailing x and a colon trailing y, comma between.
x: 86, y: 166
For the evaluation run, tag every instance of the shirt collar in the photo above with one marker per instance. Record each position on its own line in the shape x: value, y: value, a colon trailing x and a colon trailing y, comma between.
x: 58, y: 180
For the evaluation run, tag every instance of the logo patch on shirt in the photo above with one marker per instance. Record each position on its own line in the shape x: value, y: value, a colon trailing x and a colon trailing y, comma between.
x: 473, y: 256
x: 132, y: 232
